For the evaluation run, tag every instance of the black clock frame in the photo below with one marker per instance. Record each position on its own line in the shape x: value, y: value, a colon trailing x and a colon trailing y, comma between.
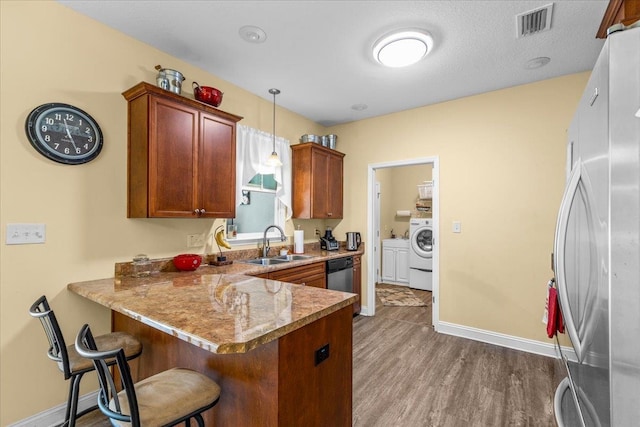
x: 37, y: 140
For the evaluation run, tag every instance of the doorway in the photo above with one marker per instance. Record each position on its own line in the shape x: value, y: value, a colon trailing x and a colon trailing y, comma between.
x: 373, y: 245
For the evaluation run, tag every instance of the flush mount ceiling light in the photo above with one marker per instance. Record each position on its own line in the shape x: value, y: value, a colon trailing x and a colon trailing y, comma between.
x: 534, y: 63
x: 252, y: 34
x: 402, y: 48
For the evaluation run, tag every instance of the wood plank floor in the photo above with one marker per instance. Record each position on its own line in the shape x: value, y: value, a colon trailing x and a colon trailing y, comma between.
x: 405, y: 374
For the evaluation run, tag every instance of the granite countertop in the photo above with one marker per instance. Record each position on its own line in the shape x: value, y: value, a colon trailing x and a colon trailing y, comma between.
x: 313, y: 251
x: 220, y: 309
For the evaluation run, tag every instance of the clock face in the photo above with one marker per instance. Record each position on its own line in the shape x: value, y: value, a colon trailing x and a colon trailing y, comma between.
x: 64, y: 133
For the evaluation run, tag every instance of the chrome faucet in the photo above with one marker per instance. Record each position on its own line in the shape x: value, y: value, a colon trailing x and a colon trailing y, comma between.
x: 265, y: 241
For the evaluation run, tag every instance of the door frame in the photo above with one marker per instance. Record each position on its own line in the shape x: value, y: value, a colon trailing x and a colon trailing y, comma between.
x: 373, y: 224
x: 377, y: 251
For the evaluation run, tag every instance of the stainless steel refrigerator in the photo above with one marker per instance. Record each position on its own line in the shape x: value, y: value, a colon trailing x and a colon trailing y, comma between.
x: 597, y: 245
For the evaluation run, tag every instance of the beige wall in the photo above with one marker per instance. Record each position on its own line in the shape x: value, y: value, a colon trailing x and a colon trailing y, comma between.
x: 492, y: 274
x: 53, y: 54
x: 502, y: 161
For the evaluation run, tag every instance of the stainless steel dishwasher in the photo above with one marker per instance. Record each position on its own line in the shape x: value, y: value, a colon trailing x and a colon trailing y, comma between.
x: 340, y: 274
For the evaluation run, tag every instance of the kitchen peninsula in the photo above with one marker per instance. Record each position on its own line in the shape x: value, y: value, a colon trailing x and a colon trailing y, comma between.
x: 282, y: 353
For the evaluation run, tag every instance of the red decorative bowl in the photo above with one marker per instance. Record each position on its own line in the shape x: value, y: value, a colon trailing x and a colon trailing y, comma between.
x: 207, y: 94
x: 187, y: 262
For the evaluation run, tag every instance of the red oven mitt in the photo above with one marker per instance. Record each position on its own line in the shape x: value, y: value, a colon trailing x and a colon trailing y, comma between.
x: 554, y: 322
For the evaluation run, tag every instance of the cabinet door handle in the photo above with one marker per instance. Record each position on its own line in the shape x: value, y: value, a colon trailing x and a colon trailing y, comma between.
x: 202, y: 211
x: 197, y: 212
x: 329, y: 214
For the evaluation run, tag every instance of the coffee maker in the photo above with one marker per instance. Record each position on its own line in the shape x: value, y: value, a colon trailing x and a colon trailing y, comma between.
x: 328, y: 242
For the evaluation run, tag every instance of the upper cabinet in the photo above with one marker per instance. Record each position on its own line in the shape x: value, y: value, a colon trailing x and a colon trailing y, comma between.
x: 182, y: 156
x: 619, y: 12
x: 317, y: 181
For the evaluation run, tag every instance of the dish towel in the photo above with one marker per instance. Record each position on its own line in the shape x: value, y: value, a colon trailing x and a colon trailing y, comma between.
x: 553, y: 314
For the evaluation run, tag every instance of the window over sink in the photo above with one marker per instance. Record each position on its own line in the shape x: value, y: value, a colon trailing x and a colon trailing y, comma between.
x: 258, y: 209
x: 263, y: 193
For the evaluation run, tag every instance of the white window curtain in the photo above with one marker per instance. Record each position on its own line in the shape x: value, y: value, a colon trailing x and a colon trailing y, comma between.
x: 253, y: 148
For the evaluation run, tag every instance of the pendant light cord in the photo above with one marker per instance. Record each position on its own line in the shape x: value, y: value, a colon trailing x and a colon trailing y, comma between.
x: 274, y: 92
x: 273, y: 159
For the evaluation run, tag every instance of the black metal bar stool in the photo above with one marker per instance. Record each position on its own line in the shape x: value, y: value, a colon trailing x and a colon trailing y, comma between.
x: 72, y: 365
x: 164, y: 399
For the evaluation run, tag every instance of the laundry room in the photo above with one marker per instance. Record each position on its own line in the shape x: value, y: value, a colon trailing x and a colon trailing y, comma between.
x: 406, y: 224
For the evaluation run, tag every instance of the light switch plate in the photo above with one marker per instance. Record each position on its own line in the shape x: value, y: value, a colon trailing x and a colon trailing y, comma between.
x: 25, y: 234
x: 457, y: 227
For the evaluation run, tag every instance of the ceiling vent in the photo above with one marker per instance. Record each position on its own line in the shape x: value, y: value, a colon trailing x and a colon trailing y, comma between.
x: 534, y: 21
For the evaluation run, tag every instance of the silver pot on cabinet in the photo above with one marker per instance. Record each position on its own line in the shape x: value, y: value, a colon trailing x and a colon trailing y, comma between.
x: 170, y: 80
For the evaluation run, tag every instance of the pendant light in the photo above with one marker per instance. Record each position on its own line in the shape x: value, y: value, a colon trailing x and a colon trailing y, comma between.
x: 274, y: 160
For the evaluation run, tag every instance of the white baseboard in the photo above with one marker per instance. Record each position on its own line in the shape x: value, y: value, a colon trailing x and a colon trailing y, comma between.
x: 364, y: 310
x: 55, y: 416
x: 522, y: 344
x: 502, y: 340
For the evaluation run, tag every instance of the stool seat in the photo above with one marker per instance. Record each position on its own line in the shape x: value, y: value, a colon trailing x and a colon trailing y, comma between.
x: 167, y: 398
x: 164, y: 396
x: 132, y: 348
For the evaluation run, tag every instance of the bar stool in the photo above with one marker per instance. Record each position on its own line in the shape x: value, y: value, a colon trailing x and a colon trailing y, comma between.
x: 164, y: 399
x: 72, y: 365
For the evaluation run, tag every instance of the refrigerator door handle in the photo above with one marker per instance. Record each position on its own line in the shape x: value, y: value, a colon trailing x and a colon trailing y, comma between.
x: 565, y: 385
x: 578, y: 188
x: 559, y: 257
x: 557, y: 401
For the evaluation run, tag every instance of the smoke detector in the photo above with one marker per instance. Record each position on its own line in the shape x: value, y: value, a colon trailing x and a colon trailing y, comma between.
x: 534, y: 21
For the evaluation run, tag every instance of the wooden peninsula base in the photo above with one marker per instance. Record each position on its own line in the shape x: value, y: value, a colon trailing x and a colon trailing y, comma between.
x: 274, y: 384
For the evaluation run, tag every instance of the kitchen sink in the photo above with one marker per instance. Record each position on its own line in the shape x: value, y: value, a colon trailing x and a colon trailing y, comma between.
x: 293, y: 257
x: 265, y: 261
x: 276, y: 260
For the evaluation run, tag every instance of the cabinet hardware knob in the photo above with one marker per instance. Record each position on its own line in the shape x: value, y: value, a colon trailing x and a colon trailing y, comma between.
x: 329, y: 214
x: 202, y: 212
x: 197, y: 212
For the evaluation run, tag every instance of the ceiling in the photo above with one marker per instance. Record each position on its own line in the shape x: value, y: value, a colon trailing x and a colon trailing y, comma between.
x: 318, y: 53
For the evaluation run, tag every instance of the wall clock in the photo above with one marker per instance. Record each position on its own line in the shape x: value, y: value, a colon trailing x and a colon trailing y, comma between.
x: 64, y: 133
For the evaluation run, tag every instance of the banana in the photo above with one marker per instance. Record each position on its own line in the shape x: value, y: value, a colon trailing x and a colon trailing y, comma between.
x: 220, y: 240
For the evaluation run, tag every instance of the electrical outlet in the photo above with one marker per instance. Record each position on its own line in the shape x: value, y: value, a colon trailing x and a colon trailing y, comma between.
x: 457, y: 227
x: 25, y: 234
x: 195, y: 240
x: 322, y: 354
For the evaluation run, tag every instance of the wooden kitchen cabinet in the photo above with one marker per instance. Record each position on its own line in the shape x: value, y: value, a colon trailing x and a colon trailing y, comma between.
x: 357, y: 282
x: 624, y: 12
x: 309, y: 275
x: 182, y: 156
x: 317, y: 177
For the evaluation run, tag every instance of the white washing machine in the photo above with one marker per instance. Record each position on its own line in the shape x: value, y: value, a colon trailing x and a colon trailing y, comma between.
x: 421, y: 253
